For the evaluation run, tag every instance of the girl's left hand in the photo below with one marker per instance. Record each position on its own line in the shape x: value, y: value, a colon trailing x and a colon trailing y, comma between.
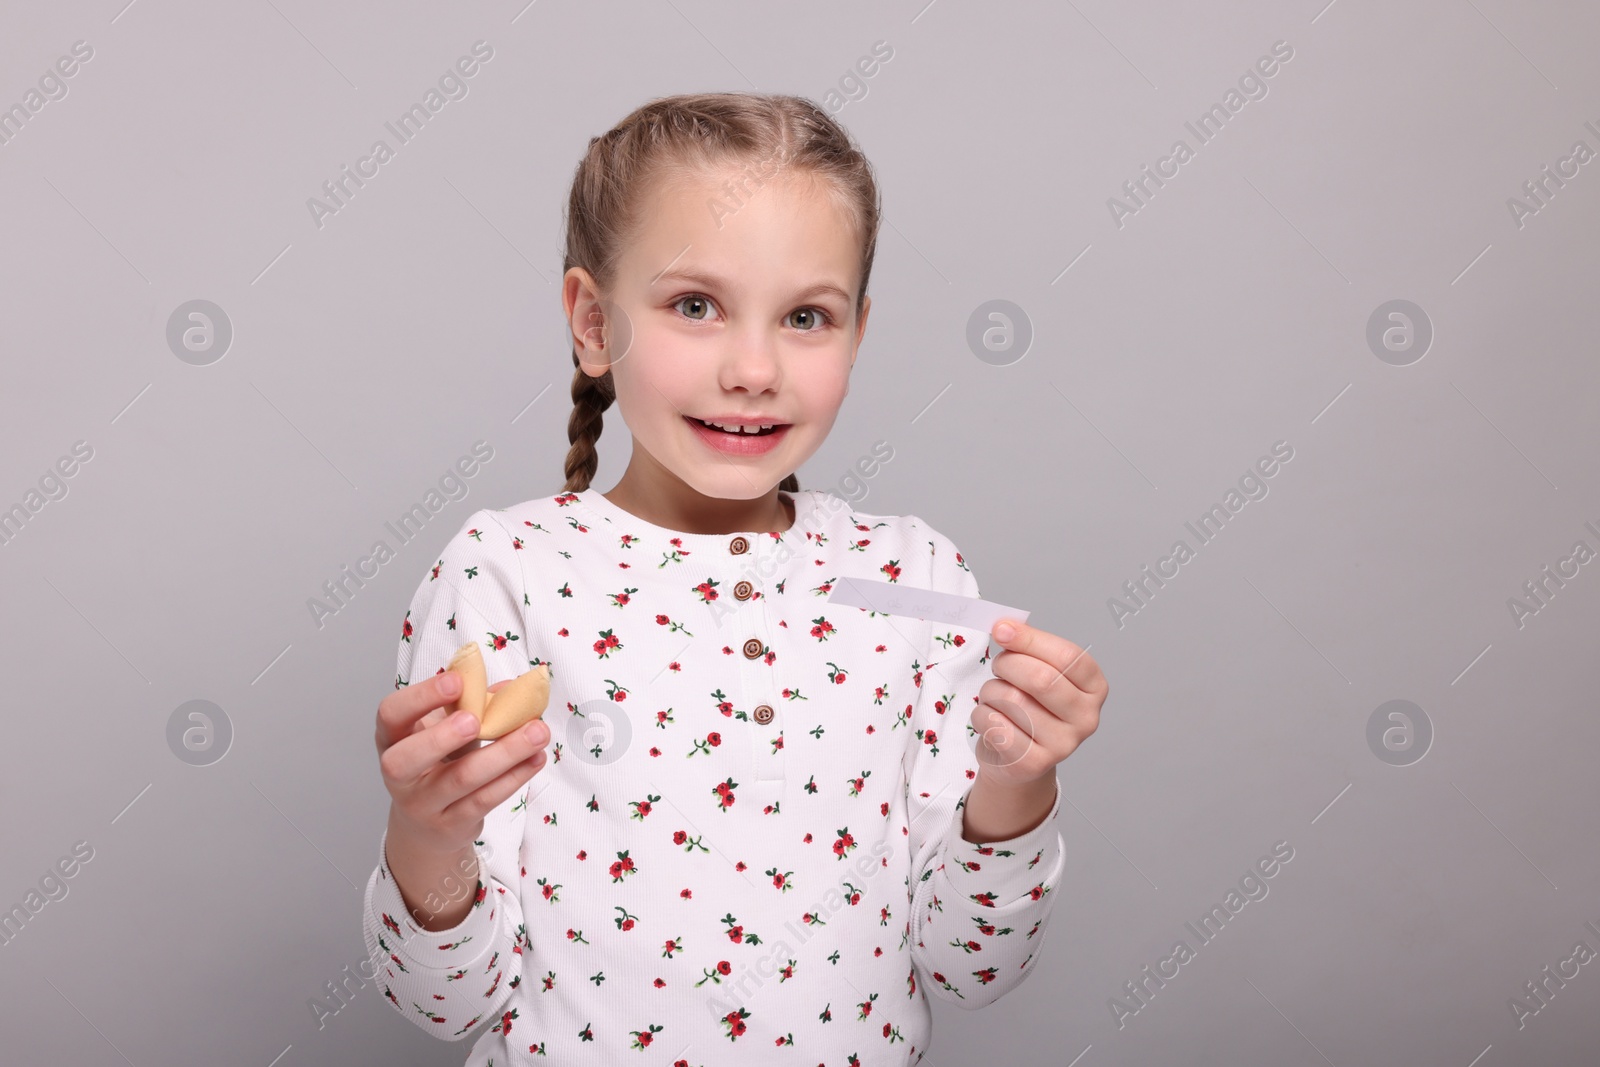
x: 1042, y: 703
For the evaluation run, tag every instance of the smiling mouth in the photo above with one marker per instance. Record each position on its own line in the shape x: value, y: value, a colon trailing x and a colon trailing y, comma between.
x: 738, y: 433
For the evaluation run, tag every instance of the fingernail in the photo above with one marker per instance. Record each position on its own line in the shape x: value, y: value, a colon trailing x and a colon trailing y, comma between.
x: 450, y: 684
x: 531, y: 731
x: 466, y: 724
x: 1005, y: 631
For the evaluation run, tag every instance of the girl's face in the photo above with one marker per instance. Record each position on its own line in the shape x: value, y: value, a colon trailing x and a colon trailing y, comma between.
x: 736, y: 302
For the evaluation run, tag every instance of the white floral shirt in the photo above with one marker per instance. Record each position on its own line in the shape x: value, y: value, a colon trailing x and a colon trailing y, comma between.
x: 746, y: 844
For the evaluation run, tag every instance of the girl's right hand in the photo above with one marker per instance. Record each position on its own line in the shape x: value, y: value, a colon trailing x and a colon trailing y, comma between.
x: 440, y: 781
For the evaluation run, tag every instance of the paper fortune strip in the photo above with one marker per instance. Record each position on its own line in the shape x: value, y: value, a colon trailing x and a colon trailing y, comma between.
x: 891, y: 598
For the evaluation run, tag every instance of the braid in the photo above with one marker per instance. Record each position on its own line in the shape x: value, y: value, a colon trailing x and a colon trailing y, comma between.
x: 590, y: 398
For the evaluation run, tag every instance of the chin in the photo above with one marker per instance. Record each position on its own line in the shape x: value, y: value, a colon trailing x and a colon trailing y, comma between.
x: 730, y: 486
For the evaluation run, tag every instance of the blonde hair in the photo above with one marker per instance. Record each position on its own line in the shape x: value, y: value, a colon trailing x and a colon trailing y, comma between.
x: 674, y: 137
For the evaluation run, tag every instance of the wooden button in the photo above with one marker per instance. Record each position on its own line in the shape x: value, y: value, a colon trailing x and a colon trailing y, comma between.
x: 753, y: 648
x: 763, y: 714
x: 738, y: 546
x: 742, y: 590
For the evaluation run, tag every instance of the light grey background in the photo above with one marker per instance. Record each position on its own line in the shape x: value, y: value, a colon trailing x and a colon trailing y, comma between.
x: 1228, y: 313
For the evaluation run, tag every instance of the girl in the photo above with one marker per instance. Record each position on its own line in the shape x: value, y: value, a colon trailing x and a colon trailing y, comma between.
x: 762, y: 828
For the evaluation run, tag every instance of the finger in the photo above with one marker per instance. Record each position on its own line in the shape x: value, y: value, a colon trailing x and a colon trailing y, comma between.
x: 492, y: 760
x: 1062, y: 660
x: 1030, y: 678
x: 400, y: 710
x: 407, y: 760
x: 438, y: 714
x: 1022, y: 720
x: 1002, y: 739
x: 486, y: 798
x: 472, y: 744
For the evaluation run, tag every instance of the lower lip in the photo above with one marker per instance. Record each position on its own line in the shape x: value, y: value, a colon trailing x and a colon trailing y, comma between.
x: 744, y: 444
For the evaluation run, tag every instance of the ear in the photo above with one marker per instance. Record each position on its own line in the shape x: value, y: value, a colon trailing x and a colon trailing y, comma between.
x: 580, y: 298
x: 861, y: 327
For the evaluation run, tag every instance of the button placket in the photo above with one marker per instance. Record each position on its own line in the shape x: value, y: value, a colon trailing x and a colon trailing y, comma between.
x: 759, y: 694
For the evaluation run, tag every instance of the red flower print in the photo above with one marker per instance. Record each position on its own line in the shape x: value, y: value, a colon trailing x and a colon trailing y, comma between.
x: 642, y: 808
x: 606, y: 643
x: 623, y: 866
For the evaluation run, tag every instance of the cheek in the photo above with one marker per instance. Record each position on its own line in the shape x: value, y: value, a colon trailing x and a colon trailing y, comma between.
x: 825, y: 391
x: 656, y: 378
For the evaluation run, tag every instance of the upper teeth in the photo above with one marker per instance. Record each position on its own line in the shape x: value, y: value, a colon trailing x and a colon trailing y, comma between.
x: 740, y: 429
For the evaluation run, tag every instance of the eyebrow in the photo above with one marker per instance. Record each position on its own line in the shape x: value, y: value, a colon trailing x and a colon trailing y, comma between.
x: 695, y: 276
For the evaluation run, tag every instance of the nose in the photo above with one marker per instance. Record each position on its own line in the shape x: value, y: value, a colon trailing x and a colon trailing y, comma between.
x: 752, y: 361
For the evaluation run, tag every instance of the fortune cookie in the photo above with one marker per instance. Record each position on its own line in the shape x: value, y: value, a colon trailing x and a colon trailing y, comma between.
x: 519, y: 701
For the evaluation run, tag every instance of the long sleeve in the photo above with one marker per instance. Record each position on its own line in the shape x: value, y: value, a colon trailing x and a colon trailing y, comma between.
x: 979, y: 910
x: 448, y: 981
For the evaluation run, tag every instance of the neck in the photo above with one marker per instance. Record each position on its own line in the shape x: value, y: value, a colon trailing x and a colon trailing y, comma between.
x: 696, y: 513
